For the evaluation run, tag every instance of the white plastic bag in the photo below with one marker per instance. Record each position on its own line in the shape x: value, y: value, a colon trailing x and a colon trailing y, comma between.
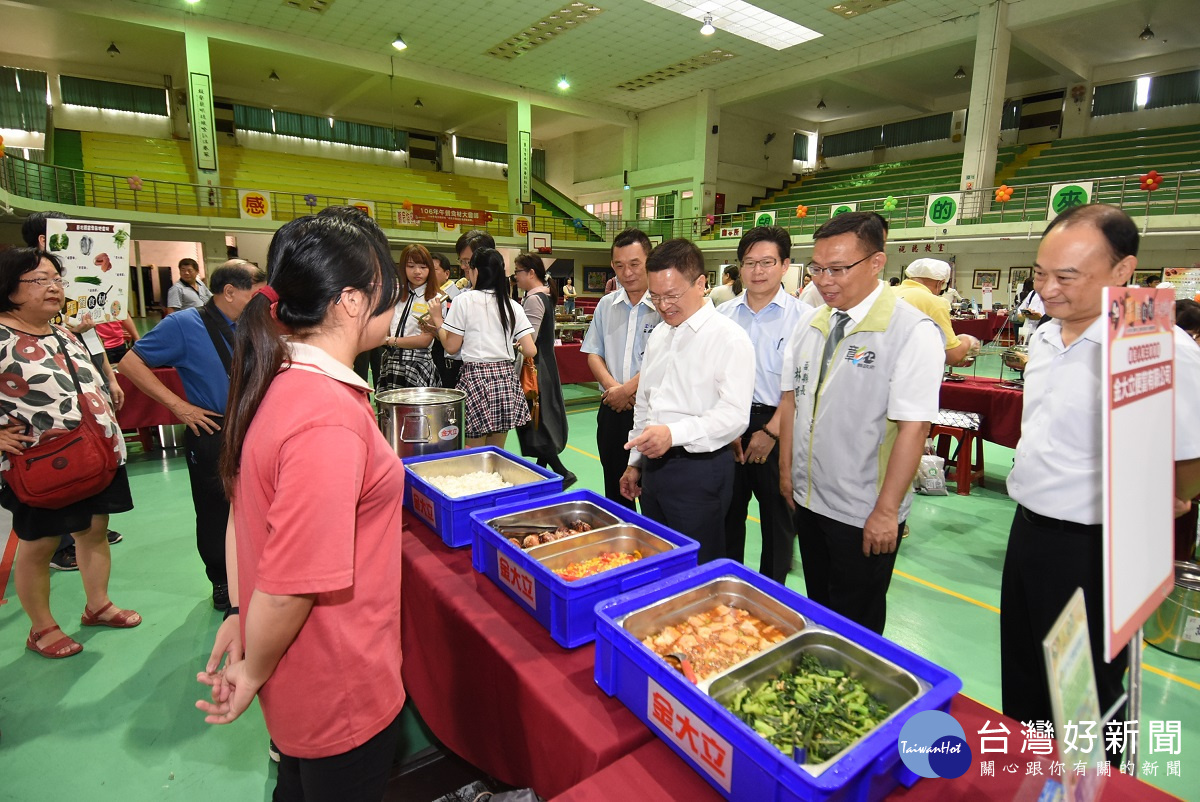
x: 931, y: 477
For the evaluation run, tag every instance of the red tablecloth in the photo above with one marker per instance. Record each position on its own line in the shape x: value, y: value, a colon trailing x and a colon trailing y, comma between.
x: 999, y: 407
x: 653, y: 772
x: 491, y: 683
x: 572, y: 364
x: 139, y: 410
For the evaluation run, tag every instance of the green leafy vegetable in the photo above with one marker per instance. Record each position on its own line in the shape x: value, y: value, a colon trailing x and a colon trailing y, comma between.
x: 119, y: 238
x: 87, y: 280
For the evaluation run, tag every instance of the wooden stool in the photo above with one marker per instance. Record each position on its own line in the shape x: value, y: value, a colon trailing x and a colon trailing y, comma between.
x: 963, y: 472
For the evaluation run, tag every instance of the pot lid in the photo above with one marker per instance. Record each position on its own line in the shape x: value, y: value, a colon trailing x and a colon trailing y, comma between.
x: 420, y: 395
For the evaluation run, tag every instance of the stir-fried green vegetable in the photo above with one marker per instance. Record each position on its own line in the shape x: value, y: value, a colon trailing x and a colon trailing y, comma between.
x: 811, y: 708
x: 119, y: 237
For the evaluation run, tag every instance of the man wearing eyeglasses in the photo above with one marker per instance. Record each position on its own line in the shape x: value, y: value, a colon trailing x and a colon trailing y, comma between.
x: 693, y: 400
x: 768, y: 315
x: 861, y: 378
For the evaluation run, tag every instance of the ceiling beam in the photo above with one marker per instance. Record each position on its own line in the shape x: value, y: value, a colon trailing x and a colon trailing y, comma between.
x: 343, y: 97
x: 1059, y: 59
x: 888, y: 91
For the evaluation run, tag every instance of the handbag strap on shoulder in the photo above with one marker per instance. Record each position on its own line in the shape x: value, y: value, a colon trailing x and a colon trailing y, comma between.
x: 67, y: 358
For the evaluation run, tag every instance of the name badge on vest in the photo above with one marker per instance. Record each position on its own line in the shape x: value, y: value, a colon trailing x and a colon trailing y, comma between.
x: 800, y: 380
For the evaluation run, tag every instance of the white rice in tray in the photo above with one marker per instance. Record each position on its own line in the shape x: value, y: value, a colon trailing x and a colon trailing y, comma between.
x: 468, y: 484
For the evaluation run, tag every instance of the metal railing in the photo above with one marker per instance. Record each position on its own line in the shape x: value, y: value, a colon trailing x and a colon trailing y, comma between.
x: 44, y: 183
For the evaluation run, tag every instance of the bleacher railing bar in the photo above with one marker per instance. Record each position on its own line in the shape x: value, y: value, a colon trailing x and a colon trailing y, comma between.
x: 44, y: 183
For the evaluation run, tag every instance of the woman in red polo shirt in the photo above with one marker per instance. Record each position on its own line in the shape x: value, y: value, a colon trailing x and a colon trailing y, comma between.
x: 316, y: 496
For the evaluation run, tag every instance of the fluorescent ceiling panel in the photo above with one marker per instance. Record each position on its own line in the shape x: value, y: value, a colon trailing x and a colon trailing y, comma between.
x: 744, y: 20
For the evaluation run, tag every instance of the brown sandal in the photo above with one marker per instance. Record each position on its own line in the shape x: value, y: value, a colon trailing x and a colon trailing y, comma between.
x: 122, y: 620
x: 55, y: 650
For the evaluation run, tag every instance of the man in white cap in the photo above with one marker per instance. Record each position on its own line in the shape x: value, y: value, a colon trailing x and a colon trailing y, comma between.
x: 926, y: 280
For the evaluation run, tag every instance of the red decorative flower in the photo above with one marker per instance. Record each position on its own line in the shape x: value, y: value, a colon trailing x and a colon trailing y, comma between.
x: 13, y: 385
x: 30, y: 347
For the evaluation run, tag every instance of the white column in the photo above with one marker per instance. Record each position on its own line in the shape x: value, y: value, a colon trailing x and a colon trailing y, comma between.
x: 200, y: 115
x: 988, y: 79
x: 704, y: 183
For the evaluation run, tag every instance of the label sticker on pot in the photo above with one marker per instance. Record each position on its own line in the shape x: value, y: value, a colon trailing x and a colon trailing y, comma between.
x: 1191, y: 632
x: 448, y: 433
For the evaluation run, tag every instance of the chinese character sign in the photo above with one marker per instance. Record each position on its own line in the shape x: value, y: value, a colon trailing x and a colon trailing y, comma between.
x: 204, y: 130
x: 688, y: 733
x: 731, y: 232
x: 254, y: 204
x: 364, y: 206
x: 451, y: 216
x: 95, y: 259
x: 837, y: 208
x: 1137, y: 370
x: 1064, y: 196
x: 943, y: 210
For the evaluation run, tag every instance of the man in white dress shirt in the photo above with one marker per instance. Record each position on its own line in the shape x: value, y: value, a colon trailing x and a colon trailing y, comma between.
x: 693, y: 400
x: 860, y: 383
x: 1054, y: 545
x: 769, y: 316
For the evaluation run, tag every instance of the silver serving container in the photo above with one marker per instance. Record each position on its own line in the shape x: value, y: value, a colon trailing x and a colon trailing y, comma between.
x: 1168, y: 629
x: 488, y: 462
x: 563, y: 514
x: 422, y: 420
x: 883, y: 679
x: 726, y: 590
x: 620, y: 537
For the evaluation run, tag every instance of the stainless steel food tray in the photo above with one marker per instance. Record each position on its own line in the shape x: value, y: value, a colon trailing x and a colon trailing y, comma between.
x: 727, y: 590
x: 562, y: 514
x: 887, y: 682
x: 488, y: 462
x: 619, y: 537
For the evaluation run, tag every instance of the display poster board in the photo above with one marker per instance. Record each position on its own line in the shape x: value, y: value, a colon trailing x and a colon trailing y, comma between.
x: 943, y: 209
x: 1074, y: 701
x: 1137, y: 368
x: 95, y: 260
x: 1186, y: 281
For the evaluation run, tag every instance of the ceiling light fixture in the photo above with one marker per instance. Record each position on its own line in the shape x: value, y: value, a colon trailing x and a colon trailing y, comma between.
x: 274, y: 76
x: 563, y: 83
x: 707, y: 28
x: 419, y: 104
x: 821, y: 105
x: 399, y: 43
x: 743, y: 19
x: 1146, y: 35
x: 960, y: 74
x: 112, y: 50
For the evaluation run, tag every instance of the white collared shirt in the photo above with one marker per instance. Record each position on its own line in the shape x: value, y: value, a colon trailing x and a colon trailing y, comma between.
x: 698, y: 380
x: 619, y: 332
x: 475, y: 316
x: 770, y: 330
x: 304, y: 356
x: 1187, y: 396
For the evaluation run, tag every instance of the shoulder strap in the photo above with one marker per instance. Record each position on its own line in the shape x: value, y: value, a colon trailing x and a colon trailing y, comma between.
x: 220, y: 332
x: 404, y: 315
x: 67, y: 358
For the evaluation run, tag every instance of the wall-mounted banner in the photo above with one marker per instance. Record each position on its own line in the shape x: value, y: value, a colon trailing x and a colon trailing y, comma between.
x: 204, y: 129
x: 943, y: 209
x: 730, y: 232
x: 254, y: 204
x: 524, y: 138
x: 451, y: 216
x: 1064, y: 196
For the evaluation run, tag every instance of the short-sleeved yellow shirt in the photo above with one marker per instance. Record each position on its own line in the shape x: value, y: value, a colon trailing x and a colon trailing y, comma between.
x: 938, y: 308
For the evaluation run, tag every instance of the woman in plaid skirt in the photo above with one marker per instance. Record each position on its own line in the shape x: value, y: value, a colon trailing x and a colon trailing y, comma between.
x: 483, y: 325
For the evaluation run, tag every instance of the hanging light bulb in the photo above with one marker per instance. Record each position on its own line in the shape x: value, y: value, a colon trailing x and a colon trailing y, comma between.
x: 563, y: 83
x: 399, y: 43
x: 707, y: 28
x: 1146, y: 35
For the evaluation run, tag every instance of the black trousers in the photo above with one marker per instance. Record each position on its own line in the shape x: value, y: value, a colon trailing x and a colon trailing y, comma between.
x: 208, y: 497
x: 448, y: 369
x: 1042, y: 567
x: 838, y: 575
x: 371, y: 360
x: 691, y: 495
x: 360, y: 775
x: 612, y: 433
x: 761, y: 481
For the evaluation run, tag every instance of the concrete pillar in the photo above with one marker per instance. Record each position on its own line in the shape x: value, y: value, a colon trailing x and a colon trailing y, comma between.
x: 520, y: 156
x: 987, y: 99
x: 704, y: 181
x: 629, y: 158
x: 201, y: 117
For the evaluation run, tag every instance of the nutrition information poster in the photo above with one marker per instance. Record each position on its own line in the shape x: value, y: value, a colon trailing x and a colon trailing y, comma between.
x: 95, y: 260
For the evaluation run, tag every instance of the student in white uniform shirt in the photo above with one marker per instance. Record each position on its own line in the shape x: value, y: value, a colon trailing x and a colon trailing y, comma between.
x: 1055, y: 541
x: 693, y: 400
x: 769, y: 316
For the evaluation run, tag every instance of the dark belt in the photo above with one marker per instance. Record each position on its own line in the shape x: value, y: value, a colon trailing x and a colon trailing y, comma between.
x: 1054, y: 523
x: 681, y: 452
x: 762, y: 409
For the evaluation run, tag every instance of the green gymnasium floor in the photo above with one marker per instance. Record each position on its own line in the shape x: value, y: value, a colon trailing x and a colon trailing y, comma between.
x: 118, y: 722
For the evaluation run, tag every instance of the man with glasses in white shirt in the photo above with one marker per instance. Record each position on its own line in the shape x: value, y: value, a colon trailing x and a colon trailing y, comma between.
x: 861, y: 379
x: 693, y: 401
x: 768, y: 315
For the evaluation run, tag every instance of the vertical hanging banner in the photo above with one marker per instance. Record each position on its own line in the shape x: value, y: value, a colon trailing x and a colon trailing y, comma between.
x: 525, y: 141
x: 95, y: 259
x: 1138, y: 371
x: 204, y: 129
x: 254, y: 204
x: 365, y: 206
x: 943, y: 209
x: 1064, y: 196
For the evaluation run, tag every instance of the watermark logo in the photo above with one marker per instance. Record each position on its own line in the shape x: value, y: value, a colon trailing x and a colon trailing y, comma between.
x: 933, y: 744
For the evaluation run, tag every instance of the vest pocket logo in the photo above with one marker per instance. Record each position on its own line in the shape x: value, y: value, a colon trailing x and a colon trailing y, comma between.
x: 861, y: 357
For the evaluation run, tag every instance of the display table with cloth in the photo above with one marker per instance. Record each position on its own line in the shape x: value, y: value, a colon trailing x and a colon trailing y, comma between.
x: 999, y: 407
x: 983, y: 329
x: 653, y: 772
x: 491, y: 683
x: 140, y: 412
x: 572, y: 364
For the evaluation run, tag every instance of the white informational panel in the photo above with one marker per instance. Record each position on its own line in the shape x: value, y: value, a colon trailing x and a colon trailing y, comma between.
x: 943, y: 209
x: 1137, y: 368
x: 1186, y: 281
x: 1075, y: 704
x: 95, y: 259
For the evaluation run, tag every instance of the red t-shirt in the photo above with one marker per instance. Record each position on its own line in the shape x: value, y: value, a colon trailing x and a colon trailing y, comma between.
x: 317, y: 510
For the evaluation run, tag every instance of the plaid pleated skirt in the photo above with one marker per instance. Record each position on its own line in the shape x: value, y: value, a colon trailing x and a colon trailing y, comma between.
x: 494, y: 399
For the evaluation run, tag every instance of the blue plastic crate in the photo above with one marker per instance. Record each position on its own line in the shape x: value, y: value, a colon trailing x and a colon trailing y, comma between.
x: 567, y: 609
x: 450, y: 517
x: 734, y: 759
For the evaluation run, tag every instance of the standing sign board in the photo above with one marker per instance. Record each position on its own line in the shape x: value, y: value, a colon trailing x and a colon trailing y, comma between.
x: 1137, y: 368
x: 95, y: 259
x: 943, y: 209
x: 1064, y: 196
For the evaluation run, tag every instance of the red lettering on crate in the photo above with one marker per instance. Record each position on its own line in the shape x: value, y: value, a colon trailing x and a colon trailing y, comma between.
x: 517, y: 579
x: 709, y: 752
x: 424, y: 507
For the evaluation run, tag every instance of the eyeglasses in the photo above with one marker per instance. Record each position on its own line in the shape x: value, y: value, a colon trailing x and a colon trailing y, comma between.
x: 835, y: 272
x: 673, y: 298
x: 761, y: 264
x: 42, y: 281
x: 522, y: 270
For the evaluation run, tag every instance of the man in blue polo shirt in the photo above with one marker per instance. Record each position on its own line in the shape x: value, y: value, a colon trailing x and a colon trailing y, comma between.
x: 198, y: 342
